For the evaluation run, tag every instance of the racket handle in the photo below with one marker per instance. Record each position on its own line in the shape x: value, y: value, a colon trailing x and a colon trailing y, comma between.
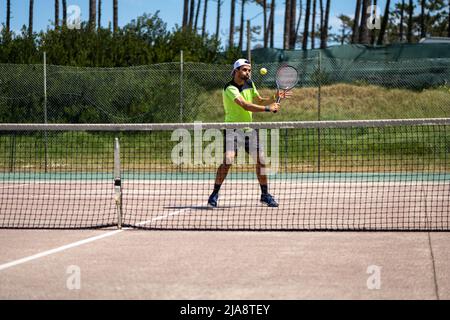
x: 278, y: 101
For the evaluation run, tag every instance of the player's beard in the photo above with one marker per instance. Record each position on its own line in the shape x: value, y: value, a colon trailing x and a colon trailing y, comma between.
x: 245, y: 77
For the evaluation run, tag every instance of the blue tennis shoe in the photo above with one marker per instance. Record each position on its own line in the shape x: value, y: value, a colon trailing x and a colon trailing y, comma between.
x: 212, y: 201
x: 268, y: 200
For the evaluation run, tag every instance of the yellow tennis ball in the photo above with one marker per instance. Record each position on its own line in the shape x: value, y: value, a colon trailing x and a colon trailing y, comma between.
x: 263, y: 71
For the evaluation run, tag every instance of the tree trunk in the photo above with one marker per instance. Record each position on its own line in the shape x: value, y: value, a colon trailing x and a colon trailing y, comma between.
x: 266, y: 28
x: 185, y: 14
x: 115, y: 16
x: 363, y: 30
x: 355, y: 33
x: 99, y: 14
x: 306, y: 30
x: 191, y: 14
x: 8, y: 15
x: 313, y: 26
x: 269, y: 29
x: 64, y: 13
x: 272, y: 23
x: 287, y: 24
x: 231, y: 36
x: 92, y: 13
x: 384, y: 23
x: 196, y: 15
x: 324, y: 37
x: 205, y: 10
x: 448, y: 18
x: 410, y: 21
x: 30, y: 20
x: 299, y: 20
x: 293, y: 20
x: 56, y: 14
x: 321, y: 17
x: 219, y: 3
x: 402, y: 20
x: 241, y: 31
x: 423, y: 31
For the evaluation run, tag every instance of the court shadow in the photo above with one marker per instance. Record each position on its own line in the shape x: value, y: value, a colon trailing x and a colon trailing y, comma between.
x: 201, y: 207
x: 187, y: 207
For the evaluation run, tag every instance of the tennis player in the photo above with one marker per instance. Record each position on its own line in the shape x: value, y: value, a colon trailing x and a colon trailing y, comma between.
x: 241, y: 99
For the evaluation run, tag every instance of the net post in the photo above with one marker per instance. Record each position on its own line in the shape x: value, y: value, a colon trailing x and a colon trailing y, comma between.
x: 117, y: 183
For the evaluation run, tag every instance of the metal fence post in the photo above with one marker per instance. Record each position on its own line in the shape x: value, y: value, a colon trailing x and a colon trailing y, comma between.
x: 319, y: 100
x: 181, y: 85
x: 45, y: 112
x: 12, y: 152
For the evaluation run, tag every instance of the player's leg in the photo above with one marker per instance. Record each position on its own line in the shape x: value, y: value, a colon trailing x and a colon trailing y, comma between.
x: 221, y: 174
x: 223, y: 169
x: 256, y: 150
x: 230, y: 149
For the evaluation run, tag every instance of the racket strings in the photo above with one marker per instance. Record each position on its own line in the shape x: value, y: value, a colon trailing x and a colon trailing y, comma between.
x: 287, y: 77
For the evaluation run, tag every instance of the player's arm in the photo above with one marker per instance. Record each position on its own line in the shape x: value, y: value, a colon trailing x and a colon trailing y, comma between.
x: 269, y: 107
x: 264, y: 101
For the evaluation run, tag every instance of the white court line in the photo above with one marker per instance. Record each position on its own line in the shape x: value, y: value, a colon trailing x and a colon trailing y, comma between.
x: 167, y: 215
x: 79, y: 243
x: 59, y: 249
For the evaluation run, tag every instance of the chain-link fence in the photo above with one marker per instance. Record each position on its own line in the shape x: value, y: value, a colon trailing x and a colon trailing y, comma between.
x: 329, y: 89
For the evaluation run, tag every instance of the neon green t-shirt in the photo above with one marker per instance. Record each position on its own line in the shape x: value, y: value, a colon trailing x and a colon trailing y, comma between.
x: 233, y: 111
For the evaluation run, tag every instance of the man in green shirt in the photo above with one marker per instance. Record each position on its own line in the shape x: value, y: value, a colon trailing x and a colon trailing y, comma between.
x: 239, y: 97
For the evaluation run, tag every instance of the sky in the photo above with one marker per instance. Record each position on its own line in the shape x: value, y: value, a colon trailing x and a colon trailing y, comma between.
x: 169, y: 10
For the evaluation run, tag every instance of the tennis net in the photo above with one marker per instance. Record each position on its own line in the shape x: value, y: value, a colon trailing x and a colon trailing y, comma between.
x: 329, y: 175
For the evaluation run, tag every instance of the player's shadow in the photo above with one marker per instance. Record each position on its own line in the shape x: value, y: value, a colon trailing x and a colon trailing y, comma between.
x: 200, y: 207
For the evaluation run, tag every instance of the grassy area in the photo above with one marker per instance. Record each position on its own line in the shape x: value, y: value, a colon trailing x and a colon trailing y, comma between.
x: 344, y: 102
x: 340, y: 150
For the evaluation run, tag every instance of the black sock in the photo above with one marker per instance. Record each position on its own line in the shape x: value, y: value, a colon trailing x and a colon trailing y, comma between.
x: 217, y: 188
x: 264, y: 189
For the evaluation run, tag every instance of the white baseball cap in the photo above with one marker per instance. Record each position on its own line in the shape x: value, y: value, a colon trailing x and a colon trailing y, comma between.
x: 239, y: 63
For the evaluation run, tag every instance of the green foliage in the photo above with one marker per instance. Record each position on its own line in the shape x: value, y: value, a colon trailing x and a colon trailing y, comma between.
x: 195, y: 49
x: 149, y: 93
x: 21, y: 49
x: 343, y: 36
x: 143, y: 41
x: 231, y: 55
x: 21, y: 89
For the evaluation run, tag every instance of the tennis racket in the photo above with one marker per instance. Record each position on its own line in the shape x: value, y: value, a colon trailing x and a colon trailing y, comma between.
x: 286, y: 79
